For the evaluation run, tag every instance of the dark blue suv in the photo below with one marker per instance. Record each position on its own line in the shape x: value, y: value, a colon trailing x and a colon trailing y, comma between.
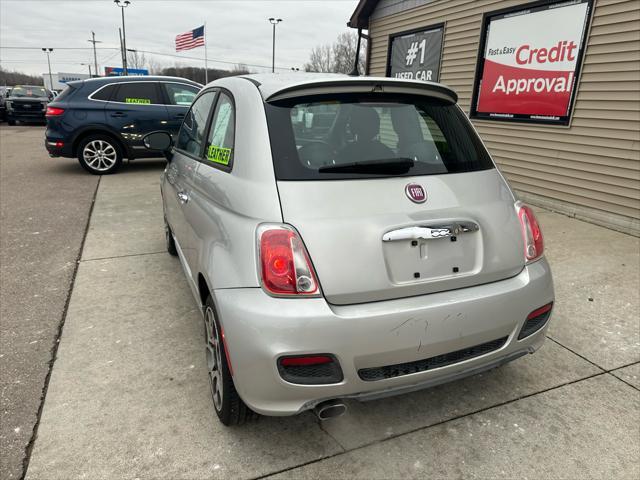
x: 102, y: 120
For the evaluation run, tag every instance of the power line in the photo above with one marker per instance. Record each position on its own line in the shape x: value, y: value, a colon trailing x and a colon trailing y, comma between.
x: 60, y: 48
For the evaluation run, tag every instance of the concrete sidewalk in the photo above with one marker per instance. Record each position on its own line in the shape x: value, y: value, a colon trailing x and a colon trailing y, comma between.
x: 129, y: 398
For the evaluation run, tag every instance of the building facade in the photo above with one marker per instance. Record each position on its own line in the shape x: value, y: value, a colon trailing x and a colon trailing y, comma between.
x: 60, y: 80
x: 566, y: 132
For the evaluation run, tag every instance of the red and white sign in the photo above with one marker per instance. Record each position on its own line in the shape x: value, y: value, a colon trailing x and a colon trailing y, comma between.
x: 531, y: 60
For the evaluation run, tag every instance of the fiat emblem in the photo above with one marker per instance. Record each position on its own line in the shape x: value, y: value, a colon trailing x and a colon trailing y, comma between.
x: 415, y: 193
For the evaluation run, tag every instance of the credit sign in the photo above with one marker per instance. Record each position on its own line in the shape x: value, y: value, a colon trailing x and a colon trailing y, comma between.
x: 416, y: 55
x: 529, y: 62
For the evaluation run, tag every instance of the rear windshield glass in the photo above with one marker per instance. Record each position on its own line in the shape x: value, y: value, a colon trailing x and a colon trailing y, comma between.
x: 356, y: 136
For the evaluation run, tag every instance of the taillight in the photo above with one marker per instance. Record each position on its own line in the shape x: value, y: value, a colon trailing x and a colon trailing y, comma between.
x: 540, y: 311
x: 284, y: 263
x: 54, y: 111
x: 531, y: 233
x: 305, y: 360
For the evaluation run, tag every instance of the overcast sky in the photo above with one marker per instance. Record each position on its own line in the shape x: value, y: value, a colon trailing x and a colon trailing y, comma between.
x: 237, y: 31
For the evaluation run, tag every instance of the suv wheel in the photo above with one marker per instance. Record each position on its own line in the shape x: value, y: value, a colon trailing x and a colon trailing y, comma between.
x: 11, y: 121
x: 229, y: 407
x: 99, y: 154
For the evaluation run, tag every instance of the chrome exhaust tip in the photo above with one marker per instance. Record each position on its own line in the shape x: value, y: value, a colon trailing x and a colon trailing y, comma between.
x: 329, y: 409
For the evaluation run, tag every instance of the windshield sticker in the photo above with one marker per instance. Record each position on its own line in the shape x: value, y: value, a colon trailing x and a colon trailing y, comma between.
x: 219, y: 155
x: 142, y: 101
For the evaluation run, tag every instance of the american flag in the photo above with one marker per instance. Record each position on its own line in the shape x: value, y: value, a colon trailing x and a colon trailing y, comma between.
x: 192, y: 39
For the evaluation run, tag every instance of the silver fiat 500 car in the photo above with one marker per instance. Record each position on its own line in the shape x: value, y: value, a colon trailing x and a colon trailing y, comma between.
x: 346, y: 237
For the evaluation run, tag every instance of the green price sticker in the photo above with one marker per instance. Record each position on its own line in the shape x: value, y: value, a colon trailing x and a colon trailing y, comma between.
x: 219, y: 155
x: 139, y: 101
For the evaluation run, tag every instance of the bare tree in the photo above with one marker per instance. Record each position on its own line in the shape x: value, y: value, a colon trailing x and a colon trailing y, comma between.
x: 337, y: 57
x: 240, y: 69
x: 155, y: 66
x: 320, y: 60
x: 136, y: 59
x: 16, y: 78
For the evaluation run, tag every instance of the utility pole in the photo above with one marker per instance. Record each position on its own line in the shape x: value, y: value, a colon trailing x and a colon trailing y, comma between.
x: 88, y: 65
x: 122, y: 6
x: 122, y: 52
x: 48, y: 51
x: 274, y: 22
x: 95, y: 57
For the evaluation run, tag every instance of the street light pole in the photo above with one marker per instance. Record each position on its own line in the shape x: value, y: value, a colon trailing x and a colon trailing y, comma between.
x: 48, y: 51
x: 122, y: 6
x: 274, y: 22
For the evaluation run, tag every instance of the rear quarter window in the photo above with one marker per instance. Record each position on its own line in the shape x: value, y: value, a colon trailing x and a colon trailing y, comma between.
x: 321, y: 138
x: 103, y: 93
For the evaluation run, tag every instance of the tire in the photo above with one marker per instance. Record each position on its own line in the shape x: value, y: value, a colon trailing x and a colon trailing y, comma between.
x: 229, y: 407
x: 169, y: 241
x: 11, y: 122
x: 99, y: 154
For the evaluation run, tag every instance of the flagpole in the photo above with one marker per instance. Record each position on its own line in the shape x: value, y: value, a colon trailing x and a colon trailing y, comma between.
x: 206, y: 69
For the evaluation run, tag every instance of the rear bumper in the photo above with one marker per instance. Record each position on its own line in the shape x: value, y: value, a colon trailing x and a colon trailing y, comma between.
x: 58, y: 147
x: 259, y: 329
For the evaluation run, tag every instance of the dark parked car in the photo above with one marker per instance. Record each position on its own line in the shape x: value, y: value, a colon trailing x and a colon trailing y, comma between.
x: 4, y: 92
x: 102, y: 120
x: 27, y: 103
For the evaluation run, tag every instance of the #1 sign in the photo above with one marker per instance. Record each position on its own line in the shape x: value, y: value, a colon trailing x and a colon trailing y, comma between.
x: 530, y: 60
x: 416, y: 55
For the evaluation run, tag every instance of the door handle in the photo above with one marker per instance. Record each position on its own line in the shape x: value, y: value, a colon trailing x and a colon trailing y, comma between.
x: 430, y: 232
x: 118, y: 114
x: 183, y: 197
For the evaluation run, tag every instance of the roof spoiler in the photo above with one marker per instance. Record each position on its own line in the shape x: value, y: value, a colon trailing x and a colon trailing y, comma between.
x: 75, y: 83
x: 365, y: 85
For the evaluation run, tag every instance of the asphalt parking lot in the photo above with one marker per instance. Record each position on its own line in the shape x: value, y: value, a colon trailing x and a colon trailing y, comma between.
x: 128, y: 395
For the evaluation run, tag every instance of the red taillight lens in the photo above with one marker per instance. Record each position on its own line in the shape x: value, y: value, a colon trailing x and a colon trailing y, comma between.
x: 284, y: 262
x: 531, y: 233
x: 54, y: 111
x: 540, y: 311
x: 305, y: 361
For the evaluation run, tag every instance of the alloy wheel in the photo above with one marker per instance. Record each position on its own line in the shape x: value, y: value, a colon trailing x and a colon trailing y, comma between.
x: 214, y: 357
x: 100, y: 155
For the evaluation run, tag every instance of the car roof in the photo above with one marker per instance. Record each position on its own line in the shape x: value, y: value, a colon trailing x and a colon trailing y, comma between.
x: 135, y: 78
x: 274, y: 86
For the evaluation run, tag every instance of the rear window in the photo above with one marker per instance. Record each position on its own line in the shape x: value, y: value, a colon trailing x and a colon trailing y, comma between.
x: 360, y: 136
x: 137, y: 93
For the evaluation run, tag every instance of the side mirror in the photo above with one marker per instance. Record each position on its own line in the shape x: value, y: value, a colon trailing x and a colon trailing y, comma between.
x: 160, y: 141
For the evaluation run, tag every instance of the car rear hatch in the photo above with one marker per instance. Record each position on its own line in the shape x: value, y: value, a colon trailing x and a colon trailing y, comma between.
x: 391, y: 190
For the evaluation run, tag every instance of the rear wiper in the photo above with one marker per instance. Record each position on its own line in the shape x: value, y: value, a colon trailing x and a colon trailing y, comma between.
x: 387, y: 165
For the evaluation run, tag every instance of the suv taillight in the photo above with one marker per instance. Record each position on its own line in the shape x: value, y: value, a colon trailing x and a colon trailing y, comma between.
x: 285, y: 267
x: 54, y: 111
x: 531, y: 233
